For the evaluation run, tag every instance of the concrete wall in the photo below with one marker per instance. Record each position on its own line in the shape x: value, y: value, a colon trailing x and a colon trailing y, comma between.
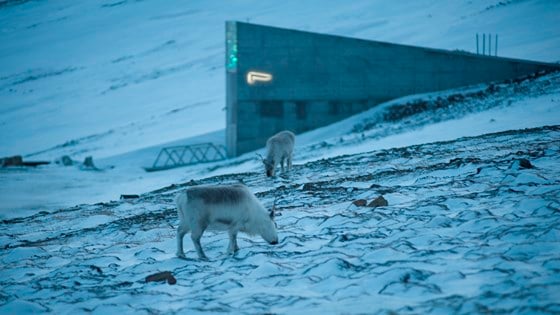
x: 319, y: 79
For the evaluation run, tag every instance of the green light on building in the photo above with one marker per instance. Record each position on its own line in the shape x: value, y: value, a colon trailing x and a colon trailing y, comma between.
x: 231, y: 46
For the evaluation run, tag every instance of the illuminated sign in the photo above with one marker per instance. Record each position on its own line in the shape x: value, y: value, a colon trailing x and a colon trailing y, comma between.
x: 254, y: 76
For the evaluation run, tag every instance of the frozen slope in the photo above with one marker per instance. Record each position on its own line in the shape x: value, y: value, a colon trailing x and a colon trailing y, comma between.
x: 467, y: 230
x: 108, y: 77
x: 417, y: 119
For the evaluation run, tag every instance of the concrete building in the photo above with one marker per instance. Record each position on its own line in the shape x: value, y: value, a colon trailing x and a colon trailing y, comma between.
x: 280, y: 79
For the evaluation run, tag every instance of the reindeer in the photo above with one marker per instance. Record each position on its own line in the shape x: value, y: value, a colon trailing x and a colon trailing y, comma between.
x: 233, y: 208
x: 279, y: 149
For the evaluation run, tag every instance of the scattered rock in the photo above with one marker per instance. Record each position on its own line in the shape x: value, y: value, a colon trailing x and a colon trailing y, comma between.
x: 94, y: 267
x: 360, y: 202
x: 519, y: 164
x: 347, y: 237
x: 378, y: 202
x: 524, y: 163
x: 162, y: 276
x: 66, y: 160
x: 456, y: 161
x: 88, y: 162
x: 405, y: 278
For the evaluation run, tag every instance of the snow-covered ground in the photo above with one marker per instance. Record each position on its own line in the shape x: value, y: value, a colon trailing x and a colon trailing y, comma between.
x: 467, y: 230
x: 118, y: 80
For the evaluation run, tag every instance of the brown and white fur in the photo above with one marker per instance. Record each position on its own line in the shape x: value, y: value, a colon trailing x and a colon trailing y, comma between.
x: 280, y: 148
x: 233, y: 208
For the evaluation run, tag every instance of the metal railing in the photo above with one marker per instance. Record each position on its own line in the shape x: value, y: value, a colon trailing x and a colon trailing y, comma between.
x: 178, y: 156
x: 487, y: 51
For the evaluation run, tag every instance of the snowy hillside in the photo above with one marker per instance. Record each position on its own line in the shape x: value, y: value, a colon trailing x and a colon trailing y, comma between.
x: 416, y: 119
x: 470, y: 175
x: 468, y: 229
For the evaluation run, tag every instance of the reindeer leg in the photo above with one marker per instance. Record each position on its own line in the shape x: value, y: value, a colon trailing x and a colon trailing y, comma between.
x: 289, y: 163
x: 196, y: 234
x: 282, y: 164
x: 181, y: 231
x: 232, y: 248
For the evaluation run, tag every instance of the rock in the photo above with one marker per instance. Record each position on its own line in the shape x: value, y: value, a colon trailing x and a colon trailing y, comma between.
x: 16, y: 160
x: 66, y: 160
x: 524, y: 163
x: 456, y: 161
x: 519, y: 164
x: 378, y: 202
x: 360, y: 202
x: 405, y: 278
x: 171, y: 280
x: 95, y: 268
x: 162, y: 276
x: 88, y: 162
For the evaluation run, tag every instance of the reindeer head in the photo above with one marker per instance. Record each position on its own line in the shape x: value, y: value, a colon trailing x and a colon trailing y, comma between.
x: 268, y: 165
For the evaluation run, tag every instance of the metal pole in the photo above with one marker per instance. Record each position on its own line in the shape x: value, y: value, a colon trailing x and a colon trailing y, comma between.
x: 484, y: 43
x: 489, y: 44
x: 496, y: 48
x: 477, y: 44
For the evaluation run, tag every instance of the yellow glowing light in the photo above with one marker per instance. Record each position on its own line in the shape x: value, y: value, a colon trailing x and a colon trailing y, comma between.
x: 254, y: 76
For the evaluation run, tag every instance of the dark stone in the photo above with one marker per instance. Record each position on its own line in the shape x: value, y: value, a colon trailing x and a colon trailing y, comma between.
x: 88, y: 162
x: 66, y: 160
x: 93, y: 267
x: 524, y: 163
x: 378, y: 202
x: 171, y: 280
x: 360, y: 202
x: 162, y: 276
x: 406, y: 278
x: 456, y: 161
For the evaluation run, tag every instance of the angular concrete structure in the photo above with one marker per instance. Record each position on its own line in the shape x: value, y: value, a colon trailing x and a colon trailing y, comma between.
x: 280, y: 79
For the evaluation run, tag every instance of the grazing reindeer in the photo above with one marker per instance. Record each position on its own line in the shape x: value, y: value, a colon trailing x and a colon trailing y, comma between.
x: 233, y: 208
x: 279, y: 149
